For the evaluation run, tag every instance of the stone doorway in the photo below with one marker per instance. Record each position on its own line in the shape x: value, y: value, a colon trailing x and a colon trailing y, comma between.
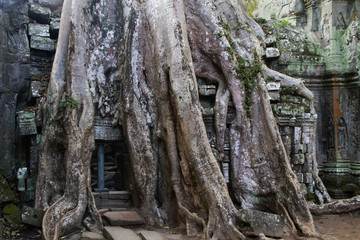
x: 115, y: 169
x: 110, y: 167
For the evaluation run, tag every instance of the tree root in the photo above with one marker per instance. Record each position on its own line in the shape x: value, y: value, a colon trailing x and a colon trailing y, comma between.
x: 336, y: 207
x: 287, y: 81
x: 300, y: 88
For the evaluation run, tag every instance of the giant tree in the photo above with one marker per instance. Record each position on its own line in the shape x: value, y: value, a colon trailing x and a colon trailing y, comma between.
x: 138, y: 62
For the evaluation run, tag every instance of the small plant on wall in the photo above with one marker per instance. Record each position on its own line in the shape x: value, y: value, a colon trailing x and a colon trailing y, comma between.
x: 251, y: 5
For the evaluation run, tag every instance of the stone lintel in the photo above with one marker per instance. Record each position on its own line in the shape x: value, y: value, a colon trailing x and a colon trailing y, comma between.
x: 207, y: 90
x: 103, y: 130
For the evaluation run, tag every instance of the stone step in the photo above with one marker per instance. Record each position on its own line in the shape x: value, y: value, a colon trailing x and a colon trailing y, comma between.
x: 91, y: 236
x: 117, y: 203
x: 151, y: 235
x: 124, y: 218
x: 119, y: 233
x: 121, y: 195
x: 125, y: 195
x: 113, y: 199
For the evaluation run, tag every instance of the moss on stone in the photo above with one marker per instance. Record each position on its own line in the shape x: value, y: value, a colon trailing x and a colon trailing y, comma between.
x: 6, y: 194
x: 12, y: 213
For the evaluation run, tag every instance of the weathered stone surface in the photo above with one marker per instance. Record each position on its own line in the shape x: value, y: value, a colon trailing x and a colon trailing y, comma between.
x: 300, y: 177
x: 208, y: 112
x: 125, y: 195
x: 273, y: 86
x: 39, y: 13
x: 124, y: 218
x: 14, y: 47
x: 41, y: 30
x: 14, y: 73
x: 74, y: 236
x: 103, y: 130
x: 41, y: 67
x: 297, y: 159
x: 298, y: 148
x: 288, y: 110
x: 14, y: 77
x: 31, y: 216
x: 308, y: 178
x: 91, y: 236
x: 12, y: 213
x: 102, y: 211
x: 207, y: 90
x: 6, y: 194
x: 42, y: 43
x: 320, y: 55
x: 35, y: 87
x: 14, y: 70
x: 119, y: 233
x: 54, y: 27
x: 272, y: 52
x: 7, y: 131
x: 270, y: 224
x: 52, y: 4
x: 27, y: 123
x: 151, y: 235
x: 274, y: 95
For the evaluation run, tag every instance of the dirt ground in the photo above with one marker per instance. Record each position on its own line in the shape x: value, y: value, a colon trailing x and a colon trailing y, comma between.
x: 331, y: 227
x: 339, y: 227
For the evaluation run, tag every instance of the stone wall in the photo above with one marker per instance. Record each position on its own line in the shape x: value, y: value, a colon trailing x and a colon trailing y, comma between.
x: 323, y: 16
x: 14, y: 75
x: 28, y: 33
x: 328, y: 63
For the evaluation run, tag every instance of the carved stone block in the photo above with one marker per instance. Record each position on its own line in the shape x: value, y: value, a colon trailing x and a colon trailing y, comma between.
x: 41, y: 30
x: 26, y: 123
x: 297, y: 135
x: 308, y: 178
x: 42, y: 43
x: 54, y: 25
x: 274, y: 95
x: 207, y: 90
x: 298, y: 148
x: 300, y: 177
x: 273, y: 86
x: 297, y: 159
x: 272, y: 52
x: 103, y: 130
x: 39, y: 13
x: 35, y: 87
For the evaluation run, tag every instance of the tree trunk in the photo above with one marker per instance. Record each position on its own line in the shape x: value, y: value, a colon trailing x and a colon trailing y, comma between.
x: 138, y: 63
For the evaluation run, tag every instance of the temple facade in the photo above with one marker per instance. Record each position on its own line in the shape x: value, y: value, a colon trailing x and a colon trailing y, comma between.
x: 323, y: 50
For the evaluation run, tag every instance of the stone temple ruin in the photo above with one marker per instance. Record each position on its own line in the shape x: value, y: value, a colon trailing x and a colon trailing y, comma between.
x: 317, y: 41
x: 323, y: 51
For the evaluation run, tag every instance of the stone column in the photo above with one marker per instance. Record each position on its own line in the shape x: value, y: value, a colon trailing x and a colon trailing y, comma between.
x: 300, y: 13
x: 100, y: 167
x: 313, y: 15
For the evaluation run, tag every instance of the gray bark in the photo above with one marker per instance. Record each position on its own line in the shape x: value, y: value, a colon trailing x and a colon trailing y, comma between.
x: 138, y: 62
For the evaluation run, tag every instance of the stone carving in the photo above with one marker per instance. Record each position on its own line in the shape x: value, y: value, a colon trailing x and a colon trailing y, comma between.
x: 325, y: 28
x: 340, y: 21
x: 330, y: 131
x: 342, y: 134
x: 352, y: 40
